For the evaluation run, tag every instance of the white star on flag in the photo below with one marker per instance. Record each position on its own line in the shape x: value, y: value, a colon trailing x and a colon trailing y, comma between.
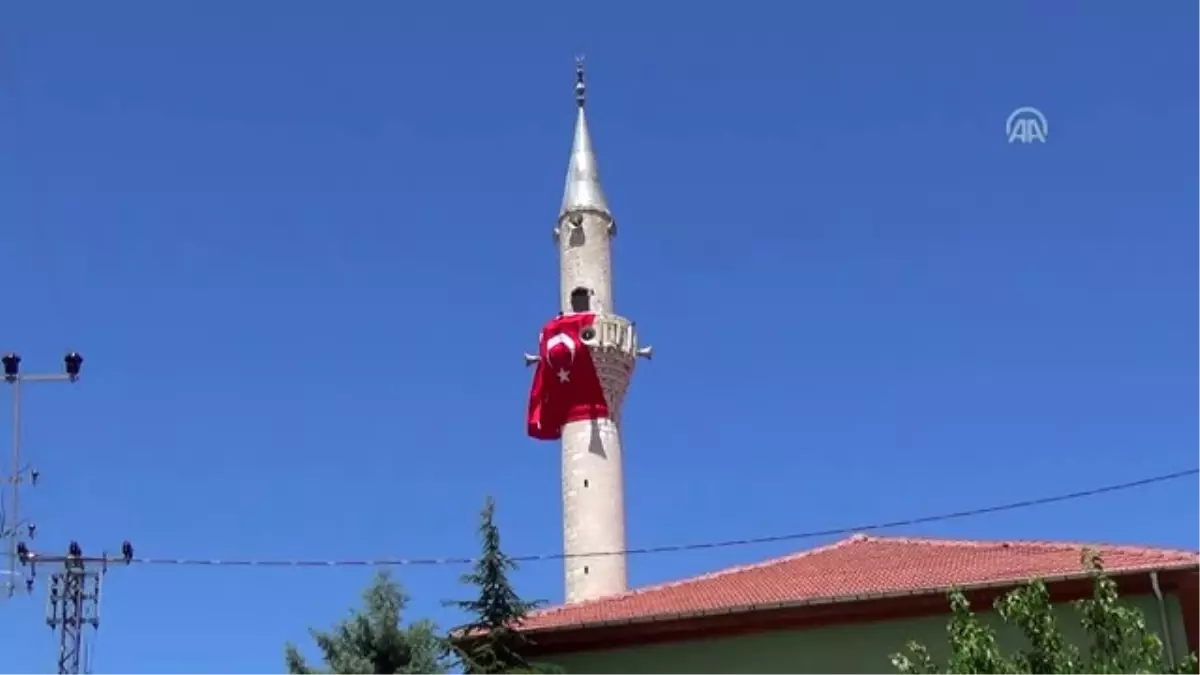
x: 564, y: 375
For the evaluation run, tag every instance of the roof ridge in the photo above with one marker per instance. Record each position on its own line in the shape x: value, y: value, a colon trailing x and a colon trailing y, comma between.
x: 852, y: 539
x: 1056, y: 545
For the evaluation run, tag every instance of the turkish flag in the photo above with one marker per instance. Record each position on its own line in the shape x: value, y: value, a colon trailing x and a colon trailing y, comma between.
x: 566, y: 387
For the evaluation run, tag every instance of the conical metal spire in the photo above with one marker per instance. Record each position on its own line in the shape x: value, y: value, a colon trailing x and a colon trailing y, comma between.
x: 582, y: 191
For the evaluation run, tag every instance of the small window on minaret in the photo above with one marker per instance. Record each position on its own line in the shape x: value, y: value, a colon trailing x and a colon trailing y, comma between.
x: 585, y: 482
x: 581, y: 300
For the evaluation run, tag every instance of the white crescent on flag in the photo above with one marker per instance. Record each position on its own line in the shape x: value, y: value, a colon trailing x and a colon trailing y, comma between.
x: 561, y: 339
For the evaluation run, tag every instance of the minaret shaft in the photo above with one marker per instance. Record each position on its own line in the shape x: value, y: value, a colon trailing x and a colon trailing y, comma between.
x: 593, y: 510
x: 585, y: 263
x: 593, y: 489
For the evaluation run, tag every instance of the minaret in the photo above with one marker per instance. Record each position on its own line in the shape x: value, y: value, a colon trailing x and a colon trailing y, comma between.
x: 592, y: 482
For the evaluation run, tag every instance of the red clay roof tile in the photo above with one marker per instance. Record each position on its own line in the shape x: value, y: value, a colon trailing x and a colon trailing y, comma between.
x: 855, y: 567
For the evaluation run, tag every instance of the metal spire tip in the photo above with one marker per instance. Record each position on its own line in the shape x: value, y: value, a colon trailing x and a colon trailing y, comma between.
x: 580, y: 87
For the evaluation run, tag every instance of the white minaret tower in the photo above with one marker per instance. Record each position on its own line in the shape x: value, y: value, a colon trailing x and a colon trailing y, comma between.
x: 592, y: 483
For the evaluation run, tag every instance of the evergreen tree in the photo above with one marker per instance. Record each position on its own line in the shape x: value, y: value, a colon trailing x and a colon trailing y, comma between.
x: 373, y: 640
x: 491, y: 643
x: 1119, y: 640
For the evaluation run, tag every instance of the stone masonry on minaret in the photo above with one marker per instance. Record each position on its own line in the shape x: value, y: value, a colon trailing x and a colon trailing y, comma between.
x: 592, y: 482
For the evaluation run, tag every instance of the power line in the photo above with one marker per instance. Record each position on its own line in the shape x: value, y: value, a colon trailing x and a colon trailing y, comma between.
x: 730, y: 543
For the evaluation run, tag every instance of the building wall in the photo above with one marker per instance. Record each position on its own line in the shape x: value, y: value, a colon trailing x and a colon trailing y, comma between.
x: 847, y: 648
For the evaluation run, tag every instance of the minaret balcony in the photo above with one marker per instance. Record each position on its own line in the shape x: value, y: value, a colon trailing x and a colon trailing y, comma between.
x: 612, y: 341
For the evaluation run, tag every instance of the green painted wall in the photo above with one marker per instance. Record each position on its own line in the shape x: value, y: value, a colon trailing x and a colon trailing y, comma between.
x: 852, y: 648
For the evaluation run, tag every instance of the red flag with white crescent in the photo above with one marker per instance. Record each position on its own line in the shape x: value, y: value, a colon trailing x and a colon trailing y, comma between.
x: 566, y: 387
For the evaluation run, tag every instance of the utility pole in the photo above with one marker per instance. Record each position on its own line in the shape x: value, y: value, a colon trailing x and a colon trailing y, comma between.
x: 74, y: 596
x: 12, y: 526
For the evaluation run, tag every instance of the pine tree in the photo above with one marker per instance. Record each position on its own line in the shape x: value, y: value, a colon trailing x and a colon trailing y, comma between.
x: 492, y: 643
x: 373, y: 639
x: 1120, y: 642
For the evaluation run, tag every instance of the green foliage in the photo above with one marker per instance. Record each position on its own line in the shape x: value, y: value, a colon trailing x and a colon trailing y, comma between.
x: 491, y: 643
x: 373, y: 640
x: 1119, y: 640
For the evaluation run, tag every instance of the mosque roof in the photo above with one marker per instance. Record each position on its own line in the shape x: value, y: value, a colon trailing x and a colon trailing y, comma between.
x: 857, y: 568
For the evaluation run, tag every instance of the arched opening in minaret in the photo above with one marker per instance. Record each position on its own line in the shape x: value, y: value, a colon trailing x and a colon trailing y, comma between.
x: 581, y: 299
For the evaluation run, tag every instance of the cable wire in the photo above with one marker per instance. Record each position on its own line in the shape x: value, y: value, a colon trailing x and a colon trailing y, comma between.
x: 730, y: 543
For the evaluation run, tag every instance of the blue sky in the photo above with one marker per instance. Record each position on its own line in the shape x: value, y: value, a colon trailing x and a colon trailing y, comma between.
x: 303, y: 248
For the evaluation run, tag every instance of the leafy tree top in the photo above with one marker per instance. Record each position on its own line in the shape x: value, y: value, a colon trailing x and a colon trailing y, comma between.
x: 373, y: 639
x: 1118, y: 638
